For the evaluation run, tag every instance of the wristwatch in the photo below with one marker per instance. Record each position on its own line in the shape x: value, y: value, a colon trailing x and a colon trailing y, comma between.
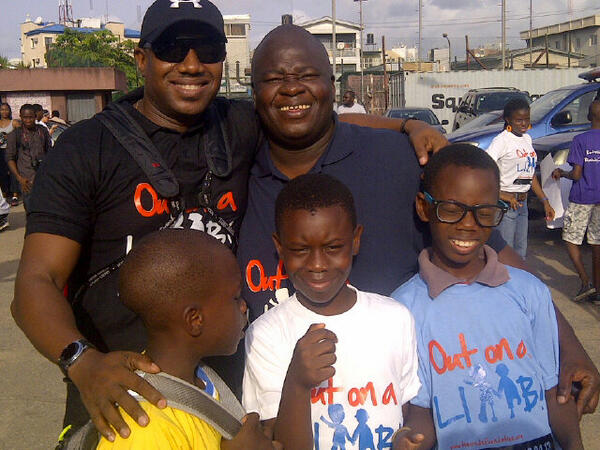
x: 71, y: 353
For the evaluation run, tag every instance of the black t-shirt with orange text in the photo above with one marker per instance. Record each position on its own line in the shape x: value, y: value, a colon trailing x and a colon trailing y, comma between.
x: 90, y: 190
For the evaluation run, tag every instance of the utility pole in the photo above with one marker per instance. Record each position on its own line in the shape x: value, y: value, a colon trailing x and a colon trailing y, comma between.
x: 503, y: 34
x: 385, y: 74
x: 530, y: 33
x: 362, y: 78
x: 333, y: 45
x: 420, y: 35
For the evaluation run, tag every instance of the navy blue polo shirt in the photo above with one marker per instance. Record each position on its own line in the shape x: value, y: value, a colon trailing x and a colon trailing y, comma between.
x: 381, y: 170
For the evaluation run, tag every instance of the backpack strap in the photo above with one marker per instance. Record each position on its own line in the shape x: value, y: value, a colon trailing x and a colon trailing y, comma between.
x: 225, y: 415
x: 128, y: 132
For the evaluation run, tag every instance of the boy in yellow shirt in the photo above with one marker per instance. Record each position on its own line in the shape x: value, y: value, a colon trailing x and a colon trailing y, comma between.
x: 186, y: 287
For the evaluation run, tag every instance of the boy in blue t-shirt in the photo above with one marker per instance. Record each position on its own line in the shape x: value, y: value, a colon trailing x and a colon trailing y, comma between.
x: 487, y: 335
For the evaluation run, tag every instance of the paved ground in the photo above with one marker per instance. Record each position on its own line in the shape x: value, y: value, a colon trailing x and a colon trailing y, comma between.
x: 31, y: 404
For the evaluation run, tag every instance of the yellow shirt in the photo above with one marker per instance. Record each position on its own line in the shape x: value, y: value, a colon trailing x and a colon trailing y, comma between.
x: 168, y: 428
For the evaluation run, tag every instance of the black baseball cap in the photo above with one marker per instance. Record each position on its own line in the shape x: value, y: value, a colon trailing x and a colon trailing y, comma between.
x: 163, y: 14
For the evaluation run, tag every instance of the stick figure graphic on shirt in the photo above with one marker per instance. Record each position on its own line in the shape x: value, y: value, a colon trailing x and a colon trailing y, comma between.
x: 509, y: 388
x: 478, y: 380
x: 340, y: 433
x: 362, y: 431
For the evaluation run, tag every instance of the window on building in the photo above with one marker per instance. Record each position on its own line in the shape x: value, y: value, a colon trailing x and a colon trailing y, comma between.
x: 578, y: 43
x: 48, y: 42
x: 557, y: 45
x: 593, y: 40
x: 235, y: 29
x: 34, y: 42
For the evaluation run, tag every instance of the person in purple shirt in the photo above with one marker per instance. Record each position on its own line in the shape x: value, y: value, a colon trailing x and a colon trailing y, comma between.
x: 584, y: 207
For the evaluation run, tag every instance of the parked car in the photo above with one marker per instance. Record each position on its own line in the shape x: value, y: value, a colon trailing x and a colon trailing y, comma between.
x: 424, y: 114
x: 489, y: 118
x: 558, y: 111
x: 479, y: 101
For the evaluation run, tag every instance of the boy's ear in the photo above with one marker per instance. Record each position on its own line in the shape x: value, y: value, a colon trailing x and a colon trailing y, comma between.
x: 194, y: 320
x: 421, y: 207
x: 356, y: 239
x: 277, y: 243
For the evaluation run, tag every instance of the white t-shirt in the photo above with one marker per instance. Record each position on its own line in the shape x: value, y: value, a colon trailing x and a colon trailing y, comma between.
x: 516, y: 160
x: 356, y: 108
x: 376, y: 369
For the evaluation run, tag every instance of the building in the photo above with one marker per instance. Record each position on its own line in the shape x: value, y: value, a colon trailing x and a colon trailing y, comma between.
x: 237, y: 31
x: 37, y: 36
x: 76, y: 92
x: 347, y: 37
x: 440, y: 56
x: 402, y: 54
x: 520, y: 59
x: 575, y: 36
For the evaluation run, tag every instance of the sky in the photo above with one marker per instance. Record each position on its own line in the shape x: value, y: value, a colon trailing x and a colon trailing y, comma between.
x: 396, y: 19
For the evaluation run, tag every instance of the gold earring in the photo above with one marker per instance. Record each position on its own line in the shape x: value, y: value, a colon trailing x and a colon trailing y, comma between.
x: 509, y: 128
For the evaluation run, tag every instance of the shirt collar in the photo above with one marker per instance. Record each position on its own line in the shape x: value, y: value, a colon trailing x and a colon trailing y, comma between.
x: 339, y: 148
x: 494, y: 273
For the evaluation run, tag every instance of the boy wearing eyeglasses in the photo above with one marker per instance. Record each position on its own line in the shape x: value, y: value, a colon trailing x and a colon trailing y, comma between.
x: 487, y: 333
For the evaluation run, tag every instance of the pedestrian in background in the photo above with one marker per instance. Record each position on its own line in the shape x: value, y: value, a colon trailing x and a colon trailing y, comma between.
x: 583, y: 212
x: 26, y: 148
x: 8, y: 183
x: 349, y: 105
x: 513, y: 152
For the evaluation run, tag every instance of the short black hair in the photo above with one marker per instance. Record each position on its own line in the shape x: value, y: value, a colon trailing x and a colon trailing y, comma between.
x: 312, y: 191
x: 170, y: 266
x: 55, y: 113
x: 37, y: 107
x: 459, y: 155
x: 27, y: 107
x: 516, y: 104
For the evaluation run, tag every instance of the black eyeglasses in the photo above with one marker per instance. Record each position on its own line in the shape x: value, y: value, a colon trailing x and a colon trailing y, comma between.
x: 449, y: 211
x: 176, y: 51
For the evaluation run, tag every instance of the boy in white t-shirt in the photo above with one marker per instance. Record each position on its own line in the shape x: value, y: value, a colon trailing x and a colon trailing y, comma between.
x: 331, y: 366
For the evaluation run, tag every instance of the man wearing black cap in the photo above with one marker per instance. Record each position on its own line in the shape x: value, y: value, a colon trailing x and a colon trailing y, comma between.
x: 168, y: 154
x: 170, y: 147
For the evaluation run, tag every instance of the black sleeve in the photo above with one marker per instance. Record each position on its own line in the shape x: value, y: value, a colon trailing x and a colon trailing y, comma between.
x: 62, y: 200
x: 496, y: 241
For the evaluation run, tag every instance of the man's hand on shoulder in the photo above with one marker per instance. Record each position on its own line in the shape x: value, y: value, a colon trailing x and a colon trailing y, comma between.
x: 103, y: 380
x: 252, y: 436
x: 584, y: 374
x: 424, y: 138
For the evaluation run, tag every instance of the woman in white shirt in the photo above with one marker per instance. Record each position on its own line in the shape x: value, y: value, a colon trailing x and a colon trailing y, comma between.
x: 513, y: 152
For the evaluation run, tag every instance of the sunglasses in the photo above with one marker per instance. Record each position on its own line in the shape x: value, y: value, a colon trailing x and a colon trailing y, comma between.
x: 449, y: 211
x: 176, y: 51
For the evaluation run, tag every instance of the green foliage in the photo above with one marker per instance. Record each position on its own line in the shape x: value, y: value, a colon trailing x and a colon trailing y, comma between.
x: 98, y: 49
x: 4, y: 62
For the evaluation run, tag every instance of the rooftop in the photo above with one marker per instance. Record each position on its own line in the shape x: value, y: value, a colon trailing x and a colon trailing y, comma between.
x: 575, y: 24
x: 60, y: 29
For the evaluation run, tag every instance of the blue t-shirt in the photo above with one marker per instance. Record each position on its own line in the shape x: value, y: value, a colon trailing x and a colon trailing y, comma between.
x: 585, y: 152
x: 486, y: 356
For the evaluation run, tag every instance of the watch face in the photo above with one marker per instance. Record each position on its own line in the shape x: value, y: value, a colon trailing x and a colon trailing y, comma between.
x: 70, y: 351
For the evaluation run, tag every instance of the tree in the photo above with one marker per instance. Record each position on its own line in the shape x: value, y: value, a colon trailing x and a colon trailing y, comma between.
x: 98, y: 49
